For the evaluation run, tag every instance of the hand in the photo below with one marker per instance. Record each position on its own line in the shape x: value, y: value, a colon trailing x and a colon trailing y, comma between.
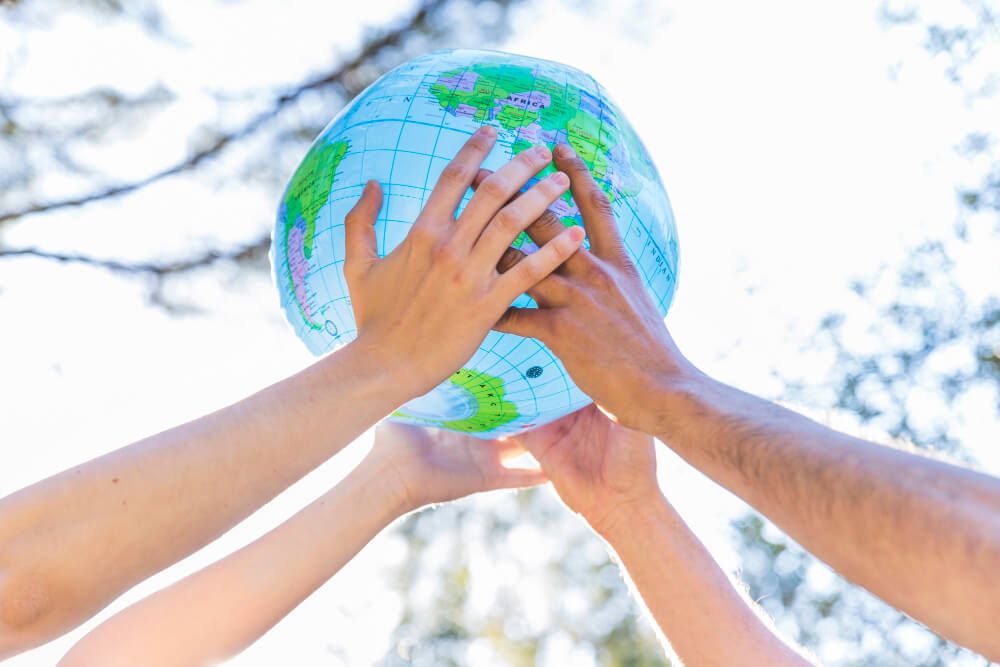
x: 424, y: 308
x: 423, y: 465
x: 600, y: 469
x: 594, y: 312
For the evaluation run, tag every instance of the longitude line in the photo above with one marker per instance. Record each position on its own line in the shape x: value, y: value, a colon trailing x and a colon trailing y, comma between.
x: 392, y: 165
x: 437, y: 137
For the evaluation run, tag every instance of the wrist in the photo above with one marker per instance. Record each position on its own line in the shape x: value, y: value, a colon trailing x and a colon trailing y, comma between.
x: 385, y: 487
x: 671, y: 396
x: 376, y: 373
x: 629, y: 520
x: 400, y: 368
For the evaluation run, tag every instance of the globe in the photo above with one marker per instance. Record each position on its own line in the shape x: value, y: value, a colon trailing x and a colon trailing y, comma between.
x: 401, y: 131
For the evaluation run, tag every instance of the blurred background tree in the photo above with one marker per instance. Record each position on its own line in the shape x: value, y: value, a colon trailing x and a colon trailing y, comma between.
x: 48, y: 161
x: 166, y: 179
x: 915, y: 355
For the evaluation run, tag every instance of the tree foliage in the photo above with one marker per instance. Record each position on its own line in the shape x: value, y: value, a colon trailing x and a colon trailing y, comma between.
x: 514, y: 578
x: 915, y: 355
x: 50, y: 137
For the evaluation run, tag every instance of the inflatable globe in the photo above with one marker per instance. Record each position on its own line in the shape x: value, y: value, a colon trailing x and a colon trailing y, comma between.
x: 402, y: 131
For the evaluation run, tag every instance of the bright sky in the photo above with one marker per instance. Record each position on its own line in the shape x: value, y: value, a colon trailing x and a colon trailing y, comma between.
x: 793, y: 160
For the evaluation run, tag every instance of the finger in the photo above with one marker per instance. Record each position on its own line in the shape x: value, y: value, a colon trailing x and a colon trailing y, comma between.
x: 495, y: 190
x: 553, y: 291
x: 509, y: 258
x: 538, y: 441
x: 456, y: 178
x: 525, y: 322
x: 547, y: 227
x: 595, y: 207
x: 500, y: 470
x: 531, y: 270
x: 513, y: 218
x: 517, y: 478
x: 480, y: 177
x: 506, y: 448
x: 360, y: 246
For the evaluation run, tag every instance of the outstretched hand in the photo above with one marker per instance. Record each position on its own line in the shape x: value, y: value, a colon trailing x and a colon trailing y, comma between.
x: 594, y: 312
x: 424, y: 308
x: 423, y: 465
x: 600, y: 469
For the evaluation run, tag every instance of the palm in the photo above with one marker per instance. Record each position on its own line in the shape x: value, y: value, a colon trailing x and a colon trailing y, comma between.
x: 435, y: 465
x: 597, y: 466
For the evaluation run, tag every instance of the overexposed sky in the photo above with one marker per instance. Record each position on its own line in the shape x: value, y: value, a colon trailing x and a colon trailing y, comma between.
x: 793, y: 160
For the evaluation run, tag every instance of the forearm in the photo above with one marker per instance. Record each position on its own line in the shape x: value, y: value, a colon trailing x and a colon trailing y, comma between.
x: 921, y: 534
x: 219, y: 611
x: 72, y: 543
x: 694, y: 603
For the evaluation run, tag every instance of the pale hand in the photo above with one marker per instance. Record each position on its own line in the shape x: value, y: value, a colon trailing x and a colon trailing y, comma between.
x: 424, y: 466
x: 422, y: 310
x: 600, y: 469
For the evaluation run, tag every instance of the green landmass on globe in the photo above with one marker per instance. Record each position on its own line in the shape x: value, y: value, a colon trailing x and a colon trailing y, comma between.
x: 307, y: 193
x: 541, y: 110
x: 401, y: 131
x: 491, y: 410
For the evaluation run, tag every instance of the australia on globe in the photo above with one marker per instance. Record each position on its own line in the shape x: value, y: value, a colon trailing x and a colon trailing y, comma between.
x: 402, y: 131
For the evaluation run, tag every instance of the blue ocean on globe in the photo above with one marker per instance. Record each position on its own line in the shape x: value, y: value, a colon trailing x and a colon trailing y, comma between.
x: 402, y: 131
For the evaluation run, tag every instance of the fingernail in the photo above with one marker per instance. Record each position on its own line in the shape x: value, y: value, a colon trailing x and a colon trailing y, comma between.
x: 543, y: 152
x: 560, y: 179
x: 576, y: 233
x: 487, y: 131
x: 564, y: 151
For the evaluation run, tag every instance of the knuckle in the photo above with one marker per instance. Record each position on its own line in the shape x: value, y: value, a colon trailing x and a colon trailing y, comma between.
x: 529, y: 272
x: 598, y: 275
x: 599, y: 200
x: 574, y: 294
x: 447, y: 255
x: 455, y: 173
x: 577, y: 164
x: 421, y: 234
x: 508, y: 221
x: 494, y: 187
x: 547, y: 223
x: 462, y: 277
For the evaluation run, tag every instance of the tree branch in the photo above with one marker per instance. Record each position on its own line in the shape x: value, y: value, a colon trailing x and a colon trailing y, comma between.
x: 241, y: 253
x: 370, y: 50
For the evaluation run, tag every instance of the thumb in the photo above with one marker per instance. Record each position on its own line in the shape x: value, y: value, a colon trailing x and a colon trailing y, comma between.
x: 524, y: 322
x: 539, y: 440
x: 361, y: 250
x: 518, y: 478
